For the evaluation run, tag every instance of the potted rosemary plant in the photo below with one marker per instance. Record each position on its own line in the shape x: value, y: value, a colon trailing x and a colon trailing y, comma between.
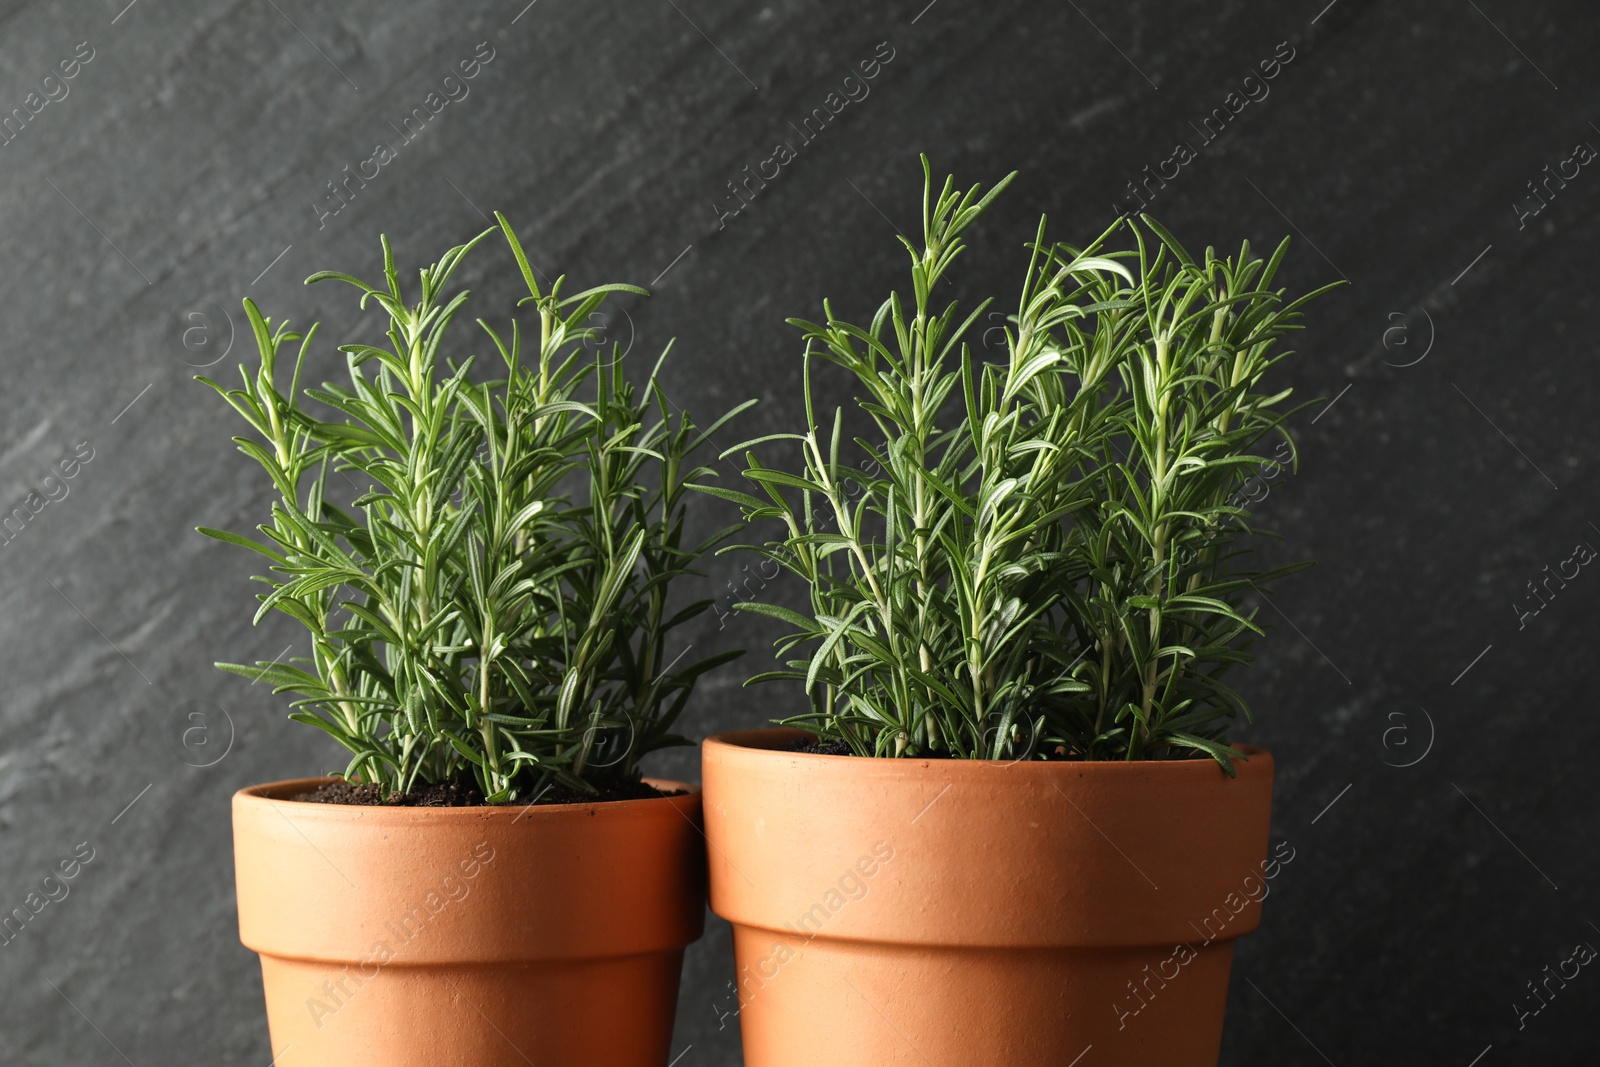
x: 482, y: 564
x: 1013, y: 825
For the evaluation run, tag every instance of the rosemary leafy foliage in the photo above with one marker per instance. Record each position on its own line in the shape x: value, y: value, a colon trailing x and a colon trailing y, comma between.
x: 492, y: 606
x: 1037, y: 556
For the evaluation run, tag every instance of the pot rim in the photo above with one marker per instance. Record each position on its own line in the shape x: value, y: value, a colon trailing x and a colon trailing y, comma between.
x: 317, y: 881
x: 1069, y: 855
x: 754, y: 744
x: 280, y: 792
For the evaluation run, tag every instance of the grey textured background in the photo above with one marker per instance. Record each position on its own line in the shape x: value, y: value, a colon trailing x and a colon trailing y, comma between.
x: 183, y: 166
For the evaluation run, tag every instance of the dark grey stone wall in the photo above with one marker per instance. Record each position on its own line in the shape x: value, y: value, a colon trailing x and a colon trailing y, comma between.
x: 1434, y: 732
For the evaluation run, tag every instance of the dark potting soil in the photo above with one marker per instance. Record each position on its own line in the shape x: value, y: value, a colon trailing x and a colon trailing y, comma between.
x: 615, y: 791
x: 439, y: 795
x: 839, y: 748
x: 466, y: 795
x: 812, y: 746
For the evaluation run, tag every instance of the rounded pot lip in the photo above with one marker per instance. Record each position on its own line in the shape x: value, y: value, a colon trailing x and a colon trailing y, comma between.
x: 753, y: 746
x: 278, y: 793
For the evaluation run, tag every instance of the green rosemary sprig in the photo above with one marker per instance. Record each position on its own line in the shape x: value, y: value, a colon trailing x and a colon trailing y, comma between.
x: 1039, y: 555
x: 470, y: 619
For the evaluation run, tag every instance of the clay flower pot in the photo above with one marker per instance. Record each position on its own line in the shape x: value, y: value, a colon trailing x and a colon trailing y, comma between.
x: 959, y: 913
x: 490, y: 936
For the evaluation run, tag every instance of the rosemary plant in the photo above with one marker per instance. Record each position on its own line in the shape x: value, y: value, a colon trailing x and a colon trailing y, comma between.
x: 1037, y: 556
x: 490, y: 604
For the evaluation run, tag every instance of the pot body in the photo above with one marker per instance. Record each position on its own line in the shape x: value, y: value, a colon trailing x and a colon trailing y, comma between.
x: 483, y: 936
x: 960, y: 913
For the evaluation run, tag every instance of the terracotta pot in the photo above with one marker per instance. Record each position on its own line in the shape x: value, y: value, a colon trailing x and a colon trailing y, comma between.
x: 486, y: 936
x: 961, y: 913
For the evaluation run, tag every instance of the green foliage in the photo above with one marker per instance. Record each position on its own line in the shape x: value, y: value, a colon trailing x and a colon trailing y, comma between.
x: 1037, y: 554
x: 472, y: 618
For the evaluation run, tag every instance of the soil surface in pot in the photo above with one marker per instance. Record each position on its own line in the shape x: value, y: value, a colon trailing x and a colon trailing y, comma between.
x: 813, y: 747
x: 839, y: 748
x: 466, y: 795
